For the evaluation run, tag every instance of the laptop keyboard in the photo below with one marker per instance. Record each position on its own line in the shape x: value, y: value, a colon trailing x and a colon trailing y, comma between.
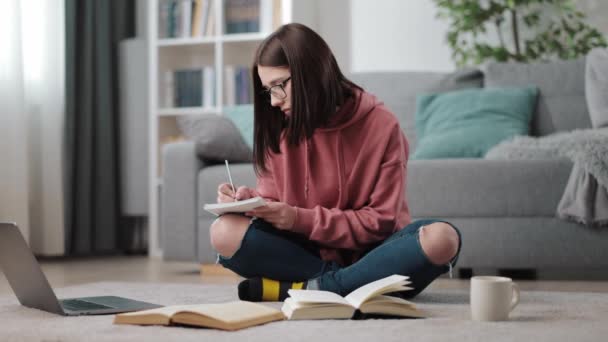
x: 81, y: 305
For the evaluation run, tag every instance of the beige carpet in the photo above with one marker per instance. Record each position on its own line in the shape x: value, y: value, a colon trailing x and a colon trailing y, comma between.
x: 541, y: 316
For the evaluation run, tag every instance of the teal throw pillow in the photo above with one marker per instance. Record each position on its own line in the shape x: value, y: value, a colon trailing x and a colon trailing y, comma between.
x: 467, y: 123
x: 242, y: 117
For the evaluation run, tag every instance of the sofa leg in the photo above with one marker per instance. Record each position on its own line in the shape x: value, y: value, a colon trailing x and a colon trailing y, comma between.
x: 514, y: 273
x: 465, y: 273
x: 518, y: 273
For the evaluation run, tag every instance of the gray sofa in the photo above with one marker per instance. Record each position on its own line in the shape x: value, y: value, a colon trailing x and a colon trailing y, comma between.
x: 505, y: 209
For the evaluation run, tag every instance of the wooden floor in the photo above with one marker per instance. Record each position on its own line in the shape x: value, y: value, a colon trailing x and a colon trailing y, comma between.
x: 66, y: 272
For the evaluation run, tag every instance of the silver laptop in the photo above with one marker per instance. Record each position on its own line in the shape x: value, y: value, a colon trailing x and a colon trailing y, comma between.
x: 33, y: 290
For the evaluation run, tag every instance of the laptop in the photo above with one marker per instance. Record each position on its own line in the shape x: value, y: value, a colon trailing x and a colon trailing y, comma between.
x: 33, y: 289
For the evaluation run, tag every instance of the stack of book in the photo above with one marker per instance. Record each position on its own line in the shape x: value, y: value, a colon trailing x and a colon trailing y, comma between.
x: 185, y: 18
x: 238, y: 86
x: 190, y: 87
x: 242, y: 16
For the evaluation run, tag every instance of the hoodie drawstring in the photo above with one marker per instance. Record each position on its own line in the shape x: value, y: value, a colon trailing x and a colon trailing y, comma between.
x: 306, y: 173
x: 339, y: 163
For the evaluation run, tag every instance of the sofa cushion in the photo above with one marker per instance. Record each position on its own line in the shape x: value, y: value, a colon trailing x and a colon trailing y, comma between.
x: 486, y: 188
x: 216, y: 137
x: 561, y: 104
x: 242, y: 117
x: 398, y: 91
x: 467, y: 123
x: 472, y: 187
x: 596, y: 87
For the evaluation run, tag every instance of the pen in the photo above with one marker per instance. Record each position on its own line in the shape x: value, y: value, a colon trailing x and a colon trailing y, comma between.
x: 230, y: 178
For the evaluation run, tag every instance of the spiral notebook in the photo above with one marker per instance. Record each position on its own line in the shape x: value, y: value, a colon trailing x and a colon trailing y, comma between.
x: 235, y: 207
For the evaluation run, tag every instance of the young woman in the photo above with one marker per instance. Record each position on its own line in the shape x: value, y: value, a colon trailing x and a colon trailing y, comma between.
x: 330, y: 160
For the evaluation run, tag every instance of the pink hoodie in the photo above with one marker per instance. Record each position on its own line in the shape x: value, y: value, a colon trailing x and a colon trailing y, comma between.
x: 347, y: 182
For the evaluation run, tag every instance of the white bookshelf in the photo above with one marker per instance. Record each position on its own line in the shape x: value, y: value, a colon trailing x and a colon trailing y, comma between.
x: 219, y: 50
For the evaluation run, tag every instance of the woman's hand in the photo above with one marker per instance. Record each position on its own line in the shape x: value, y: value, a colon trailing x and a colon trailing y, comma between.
x: 225, y: 193
x: 279, y: 214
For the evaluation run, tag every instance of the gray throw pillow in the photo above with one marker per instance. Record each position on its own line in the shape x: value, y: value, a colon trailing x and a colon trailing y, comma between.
x: 561, y: 103
x: 216, y: 137
x: 466, y: 78
x: 596, y: 87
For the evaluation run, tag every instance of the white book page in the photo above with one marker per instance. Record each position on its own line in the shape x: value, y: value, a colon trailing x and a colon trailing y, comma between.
x: 316, y: 296
x: 384, y: 285
x: 165, y: 311
x: 234, y: 311
x: 235, y: 207
x: 382, y: 299
x: 294, y: 310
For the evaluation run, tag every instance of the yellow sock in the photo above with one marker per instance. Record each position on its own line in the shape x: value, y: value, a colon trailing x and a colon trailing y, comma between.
x: 267, y: 290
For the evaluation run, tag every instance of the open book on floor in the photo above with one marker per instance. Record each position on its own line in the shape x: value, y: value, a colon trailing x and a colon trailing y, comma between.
x: 369, y: 300
x: 235, y: 207
x: 225, y: 316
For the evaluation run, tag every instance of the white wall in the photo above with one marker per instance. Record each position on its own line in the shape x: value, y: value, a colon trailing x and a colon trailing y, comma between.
x: 597, y: 13
x: 398, y: 35
x: 334, y: 25
x: 406, y: 35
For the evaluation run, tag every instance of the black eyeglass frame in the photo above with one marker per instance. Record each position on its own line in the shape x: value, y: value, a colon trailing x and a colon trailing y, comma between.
x: 281, y: 95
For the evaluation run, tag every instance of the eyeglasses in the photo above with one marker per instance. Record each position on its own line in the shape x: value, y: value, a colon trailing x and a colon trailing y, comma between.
x: 277, y: 90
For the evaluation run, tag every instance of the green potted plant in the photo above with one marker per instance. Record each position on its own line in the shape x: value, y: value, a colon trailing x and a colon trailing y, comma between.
x: 525, y: 30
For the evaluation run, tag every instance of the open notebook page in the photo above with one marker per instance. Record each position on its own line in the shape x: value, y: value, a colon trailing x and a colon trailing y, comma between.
x: 235, y: 207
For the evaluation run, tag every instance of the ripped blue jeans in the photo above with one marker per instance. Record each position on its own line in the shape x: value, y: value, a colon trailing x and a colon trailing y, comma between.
x: 282, y: 255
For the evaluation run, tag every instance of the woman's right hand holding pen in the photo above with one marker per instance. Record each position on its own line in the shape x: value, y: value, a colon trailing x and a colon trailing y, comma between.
x: 226, y: 194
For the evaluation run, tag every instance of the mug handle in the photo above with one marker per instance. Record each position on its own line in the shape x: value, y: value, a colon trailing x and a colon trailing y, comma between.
x: 515, y: 299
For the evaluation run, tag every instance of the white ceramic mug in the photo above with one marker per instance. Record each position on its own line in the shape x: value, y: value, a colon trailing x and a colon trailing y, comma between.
x: 493, y: 298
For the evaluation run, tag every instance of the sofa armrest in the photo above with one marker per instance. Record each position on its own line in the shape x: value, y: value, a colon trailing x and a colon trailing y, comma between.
x: 179, y: 199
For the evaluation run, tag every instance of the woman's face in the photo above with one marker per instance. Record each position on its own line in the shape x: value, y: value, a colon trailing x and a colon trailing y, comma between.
x: 277, y: 82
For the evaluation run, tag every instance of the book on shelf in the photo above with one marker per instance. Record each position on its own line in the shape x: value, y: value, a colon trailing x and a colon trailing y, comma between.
x: 201, y: 19
x: 276, y: 14
x: 235, y: 207
x: 194, y: 87
x: 242, y: 16
x: 168, y: 84
x: 238, y: 88
x: 225, y: 316
x: 197, y: 17
x: 185, y: 18
x: 367, y: 301
x: 229, y: 91
x: 208, y: 86
x: 188, y: 91
x: 209, y: 21
x: 164, y: 10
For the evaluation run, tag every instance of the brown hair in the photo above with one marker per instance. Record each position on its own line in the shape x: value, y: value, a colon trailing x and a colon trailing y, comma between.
x: 318, y: 87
